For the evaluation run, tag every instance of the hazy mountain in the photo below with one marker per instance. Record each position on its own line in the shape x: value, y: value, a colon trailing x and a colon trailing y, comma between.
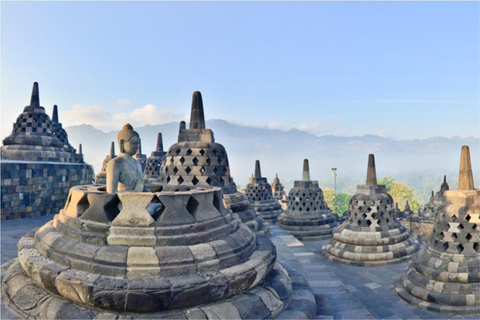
x: 421, y: 163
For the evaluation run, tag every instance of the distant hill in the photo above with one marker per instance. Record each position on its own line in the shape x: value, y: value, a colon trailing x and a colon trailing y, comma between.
x: 282, y: 152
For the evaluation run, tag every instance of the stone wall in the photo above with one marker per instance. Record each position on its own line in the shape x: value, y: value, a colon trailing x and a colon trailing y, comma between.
x: 421, y: 228
x: 32, y: 189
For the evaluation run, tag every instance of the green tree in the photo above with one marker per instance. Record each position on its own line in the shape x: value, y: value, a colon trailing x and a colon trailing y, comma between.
x: 387, y: 181
x: 401, y: 193
x: 343, y: 200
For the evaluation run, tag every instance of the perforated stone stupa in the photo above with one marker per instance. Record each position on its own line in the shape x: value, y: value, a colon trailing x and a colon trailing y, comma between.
x: 259, y: 192
x: 307, y: 216
x: 371, y: 234
x: 196, y: 160
x: 101, y: 177
x: 105, y: 255
x: 278, y: 189
x: 35, y: 138
x: 437, y: 200
x: 38, y: 164
x: 445, y: 275
x: 61, y: 134
x: 153, y: 168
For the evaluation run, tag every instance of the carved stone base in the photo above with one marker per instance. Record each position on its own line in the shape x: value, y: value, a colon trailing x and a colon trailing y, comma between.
x: 282, y: 294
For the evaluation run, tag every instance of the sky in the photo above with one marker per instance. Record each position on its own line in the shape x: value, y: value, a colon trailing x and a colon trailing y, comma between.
x: 404, y: 70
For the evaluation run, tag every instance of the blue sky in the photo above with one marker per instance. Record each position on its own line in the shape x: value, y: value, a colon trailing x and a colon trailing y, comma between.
x: 404, y: 70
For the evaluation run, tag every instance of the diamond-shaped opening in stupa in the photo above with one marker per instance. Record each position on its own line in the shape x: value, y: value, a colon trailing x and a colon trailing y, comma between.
x: 157, y: 214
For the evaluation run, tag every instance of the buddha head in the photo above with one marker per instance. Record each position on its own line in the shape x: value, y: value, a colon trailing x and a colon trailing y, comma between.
x: 128, y: 140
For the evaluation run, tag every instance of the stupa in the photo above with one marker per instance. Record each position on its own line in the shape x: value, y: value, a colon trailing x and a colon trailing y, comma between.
x: 278, y: 190
x: 140, y: 157
x: 106, y: 256
x: 61, y: 134
x: 259, y: 192
x: 437, y: 200
x: 38, y: 164
x: 33, y: 137
x: 407, y: 211
x: 371, y: 234
x: 445, y: 275
x: 307, y: 217
x: 101, y: 177
x: 196, y: 160
x: 153, y: 168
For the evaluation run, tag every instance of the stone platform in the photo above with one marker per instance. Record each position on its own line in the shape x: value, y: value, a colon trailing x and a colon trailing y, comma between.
x: 341, y: 291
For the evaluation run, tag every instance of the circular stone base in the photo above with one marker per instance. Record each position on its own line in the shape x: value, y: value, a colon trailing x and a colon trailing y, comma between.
x: 283, y: 294
x: 315, y: 238
x: 430, y: 306
x: 364, y: 263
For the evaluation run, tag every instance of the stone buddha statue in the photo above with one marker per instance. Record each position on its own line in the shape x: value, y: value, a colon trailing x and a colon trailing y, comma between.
x: 124, y: 173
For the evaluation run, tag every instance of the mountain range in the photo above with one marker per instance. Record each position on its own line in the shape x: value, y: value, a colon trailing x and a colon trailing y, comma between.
x: 283, y: 152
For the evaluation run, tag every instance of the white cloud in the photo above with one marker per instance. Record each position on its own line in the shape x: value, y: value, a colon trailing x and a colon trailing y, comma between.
x: 277, y: 125
x: 104, y: 120
x: 123, y: 102
x: 381, y: 133
x: 319, y: 127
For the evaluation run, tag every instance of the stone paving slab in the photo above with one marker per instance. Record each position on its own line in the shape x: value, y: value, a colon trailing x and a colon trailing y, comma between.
x: 341, y: 291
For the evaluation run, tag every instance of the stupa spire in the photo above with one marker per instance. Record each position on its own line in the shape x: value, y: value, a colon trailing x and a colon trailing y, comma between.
x: 35, y: 100
x: 182, y: 126
x: 306, y: 171
x: 258, y: 172
x: 55, y: 114
x: 197, y: 117
x: 112, y: 150
x: 465, y: 175
x: 371, y: 172
x: 444, y: 178
x: 159, y: 143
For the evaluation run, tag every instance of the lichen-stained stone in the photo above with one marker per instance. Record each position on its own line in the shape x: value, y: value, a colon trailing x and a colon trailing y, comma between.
x: 259, y: 193
x: 179, y: 208
x: 371, y: 234
x: 134, y: 209
x: 142, y: 262
x: 308, y: 216
x: 123, y: 236
x: 196, y: 160
x: 103, y: 208
x: 444, y: 276
x: 77, y: 203
x: 225, y: 310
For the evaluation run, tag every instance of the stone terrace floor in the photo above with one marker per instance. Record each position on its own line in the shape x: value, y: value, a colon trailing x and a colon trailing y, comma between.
x: 341, y: 291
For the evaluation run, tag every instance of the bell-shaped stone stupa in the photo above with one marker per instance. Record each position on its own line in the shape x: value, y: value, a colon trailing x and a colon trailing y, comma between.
x: 445, y: 275
x: 106, y: 255
x: 61, y: 134
x: 259, y: 192
x: 101, y: 177
x: 307, y: 216
x: 437, y: 200
x: 33, y: 137
x: 196, y: 160
x: 371, y: 234
x: 38, y: 164
x: 153, y: 168
x: 278, y: 189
